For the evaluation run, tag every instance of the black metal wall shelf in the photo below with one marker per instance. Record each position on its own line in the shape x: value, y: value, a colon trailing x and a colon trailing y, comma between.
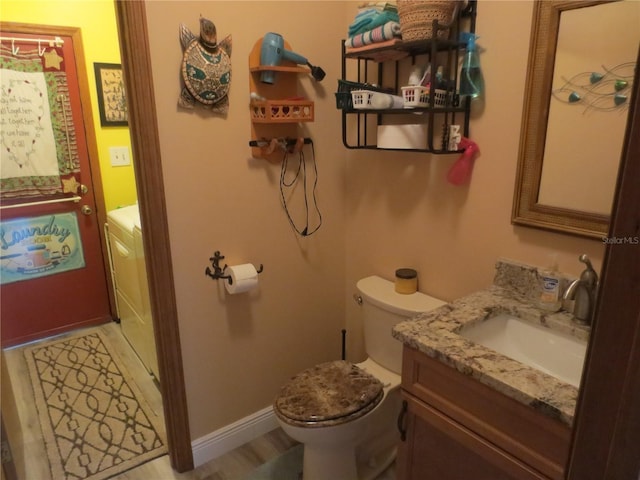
x: 384, y: 63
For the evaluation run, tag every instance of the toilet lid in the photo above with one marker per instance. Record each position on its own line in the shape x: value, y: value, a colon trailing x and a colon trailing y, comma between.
x: 327, y: 392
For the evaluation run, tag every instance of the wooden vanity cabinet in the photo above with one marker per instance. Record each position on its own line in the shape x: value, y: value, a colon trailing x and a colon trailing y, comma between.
x: 457, y: 428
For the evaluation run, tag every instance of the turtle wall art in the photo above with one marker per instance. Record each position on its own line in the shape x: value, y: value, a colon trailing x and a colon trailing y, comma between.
x: 206, y: 68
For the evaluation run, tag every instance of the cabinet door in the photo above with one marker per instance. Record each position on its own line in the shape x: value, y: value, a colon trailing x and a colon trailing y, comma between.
x: 523, y: 432
x: 438, y: 448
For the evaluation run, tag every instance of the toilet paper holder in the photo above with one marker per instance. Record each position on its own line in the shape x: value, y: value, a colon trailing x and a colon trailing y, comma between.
x: 218, y: 272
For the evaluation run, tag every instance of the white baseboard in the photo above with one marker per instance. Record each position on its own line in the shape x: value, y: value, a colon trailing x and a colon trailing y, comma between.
x: 232, y: 436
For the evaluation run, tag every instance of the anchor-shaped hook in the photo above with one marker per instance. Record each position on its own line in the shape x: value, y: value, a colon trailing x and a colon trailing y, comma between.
x: 215, y: 263
x: 218, y: 272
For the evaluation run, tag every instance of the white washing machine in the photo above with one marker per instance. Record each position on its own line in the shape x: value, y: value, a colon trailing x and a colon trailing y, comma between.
x: 129, y: 276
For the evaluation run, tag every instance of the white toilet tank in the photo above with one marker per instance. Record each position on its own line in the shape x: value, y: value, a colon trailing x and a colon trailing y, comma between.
x: 382, y: 308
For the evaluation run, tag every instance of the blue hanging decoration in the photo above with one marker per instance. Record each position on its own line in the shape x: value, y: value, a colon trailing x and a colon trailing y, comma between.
x: 619, y: 99
x: 600, y: 91
x: 574, y: 97
x: 595, y: 77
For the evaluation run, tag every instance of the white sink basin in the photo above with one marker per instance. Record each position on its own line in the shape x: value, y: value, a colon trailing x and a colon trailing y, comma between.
x: 550, y: 351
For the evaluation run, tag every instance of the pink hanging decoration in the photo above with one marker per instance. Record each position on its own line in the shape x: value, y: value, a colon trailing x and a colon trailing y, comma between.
x: 460, y: 171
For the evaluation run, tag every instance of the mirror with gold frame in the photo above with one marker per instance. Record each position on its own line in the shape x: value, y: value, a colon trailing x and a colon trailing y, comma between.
x: 573, y: 146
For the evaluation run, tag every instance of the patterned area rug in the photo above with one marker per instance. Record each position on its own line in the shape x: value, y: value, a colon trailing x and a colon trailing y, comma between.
x: 95, y: 421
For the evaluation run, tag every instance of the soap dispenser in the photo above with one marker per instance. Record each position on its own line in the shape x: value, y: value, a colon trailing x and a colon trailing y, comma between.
x: 550, y: 286
x: 471, y: 80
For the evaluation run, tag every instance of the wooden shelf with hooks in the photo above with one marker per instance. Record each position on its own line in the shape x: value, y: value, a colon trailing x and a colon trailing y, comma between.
x: 279, y: 109
x: 277, y: 68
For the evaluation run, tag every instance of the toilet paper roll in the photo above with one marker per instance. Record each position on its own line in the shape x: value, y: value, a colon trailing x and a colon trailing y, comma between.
x: 243, y: 278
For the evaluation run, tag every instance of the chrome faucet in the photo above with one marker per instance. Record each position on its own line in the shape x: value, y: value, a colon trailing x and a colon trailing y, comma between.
x: 583, y: 292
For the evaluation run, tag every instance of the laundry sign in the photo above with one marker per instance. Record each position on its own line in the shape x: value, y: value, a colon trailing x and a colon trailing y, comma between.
x: 39, y: 246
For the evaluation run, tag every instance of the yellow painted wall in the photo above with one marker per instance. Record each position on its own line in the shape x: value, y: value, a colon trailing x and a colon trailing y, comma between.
x: 97, y: 20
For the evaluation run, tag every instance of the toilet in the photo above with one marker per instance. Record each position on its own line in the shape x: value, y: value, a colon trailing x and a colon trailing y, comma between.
x: 345, y: 414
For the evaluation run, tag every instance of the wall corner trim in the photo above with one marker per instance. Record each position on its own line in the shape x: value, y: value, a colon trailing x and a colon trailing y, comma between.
x: 225, y: 439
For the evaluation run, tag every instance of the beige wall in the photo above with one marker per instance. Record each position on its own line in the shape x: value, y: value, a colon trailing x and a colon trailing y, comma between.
x: 381, y: 210
x: 402, y: 212
x: 239, y: 349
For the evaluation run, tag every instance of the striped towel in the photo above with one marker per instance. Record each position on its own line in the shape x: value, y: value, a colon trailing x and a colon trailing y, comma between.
x: 379, y: 34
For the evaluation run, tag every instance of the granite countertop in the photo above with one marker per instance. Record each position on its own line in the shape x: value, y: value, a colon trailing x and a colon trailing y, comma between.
x: 435, y: 333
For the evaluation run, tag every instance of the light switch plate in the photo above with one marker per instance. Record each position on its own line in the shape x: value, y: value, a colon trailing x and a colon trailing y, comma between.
x: 119, y: 156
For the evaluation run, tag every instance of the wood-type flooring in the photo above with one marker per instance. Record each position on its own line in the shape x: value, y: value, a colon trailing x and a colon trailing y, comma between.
x: 31, y: 460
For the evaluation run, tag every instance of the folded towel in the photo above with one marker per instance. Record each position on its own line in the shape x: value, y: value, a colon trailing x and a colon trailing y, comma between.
x: 362, y: 20
x: 369, y: 19
x: 379, y: 6
x: 379, y: 34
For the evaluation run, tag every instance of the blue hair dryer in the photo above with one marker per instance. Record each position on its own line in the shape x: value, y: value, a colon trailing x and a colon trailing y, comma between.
x: 273, y: 53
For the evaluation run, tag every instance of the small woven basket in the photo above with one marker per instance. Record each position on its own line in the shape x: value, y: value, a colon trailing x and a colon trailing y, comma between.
x: 361, y: 99
x: 417, y: 16
x: 344, y: 97
x: 415, y: 96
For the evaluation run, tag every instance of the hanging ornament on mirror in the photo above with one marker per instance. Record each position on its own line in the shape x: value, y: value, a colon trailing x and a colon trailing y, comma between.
x: 596, y: 90
x: 206, y: 68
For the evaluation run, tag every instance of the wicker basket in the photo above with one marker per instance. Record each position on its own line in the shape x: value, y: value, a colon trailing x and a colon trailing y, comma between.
x: 417, y: 16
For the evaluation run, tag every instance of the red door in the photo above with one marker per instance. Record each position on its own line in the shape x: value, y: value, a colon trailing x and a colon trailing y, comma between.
x: 52, y: 274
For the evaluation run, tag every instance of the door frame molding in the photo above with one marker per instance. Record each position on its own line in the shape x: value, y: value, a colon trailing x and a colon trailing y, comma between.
x: 607, y: 426
x: 145, y: 142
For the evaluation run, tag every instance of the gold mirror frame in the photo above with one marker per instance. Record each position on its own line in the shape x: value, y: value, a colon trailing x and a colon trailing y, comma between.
x: 526, y: 209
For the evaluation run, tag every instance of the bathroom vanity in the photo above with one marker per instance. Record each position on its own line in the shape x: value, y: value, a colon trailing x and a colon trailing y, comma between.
x: 458, y: 428
x: 471, y: 412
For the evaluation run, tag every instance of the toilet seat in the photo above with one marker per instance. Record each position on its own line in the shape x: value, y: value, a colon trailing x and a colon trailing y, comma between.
x: 328, y: 394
